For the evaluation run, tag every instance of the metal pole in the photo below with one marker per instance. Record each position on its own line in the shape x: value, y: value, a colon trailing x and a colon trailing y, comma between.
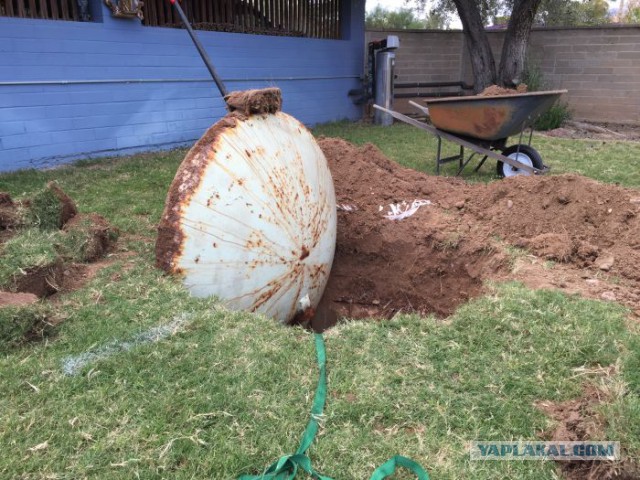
x: 438, y: 155
x: 201, y: 50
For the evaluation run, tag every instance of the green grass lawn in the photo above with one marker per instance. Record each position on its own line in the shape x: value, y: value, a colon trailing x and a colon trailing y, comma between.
x: 228, y: 393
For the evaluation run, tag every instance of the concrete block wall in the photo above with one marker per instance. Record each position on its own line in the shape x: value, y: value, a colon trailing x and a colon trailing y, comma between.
x: 72, y: 90
x: 600, y: 66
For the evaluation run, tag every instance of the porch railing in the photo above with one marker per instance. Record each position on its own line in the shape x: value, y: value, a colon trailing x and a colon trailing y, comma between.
x: 302, y: 18
x: 72, y: 10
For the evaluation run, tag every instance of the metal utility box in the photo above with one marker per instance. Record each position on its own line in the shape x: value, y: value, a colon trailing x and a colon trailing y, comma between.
x: 385, y: 59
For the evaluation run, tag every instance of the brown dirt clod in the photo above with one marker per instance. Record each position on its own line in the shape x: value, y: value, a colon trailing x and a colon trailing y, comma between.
x: 252, y: 102
x: 495, y: 90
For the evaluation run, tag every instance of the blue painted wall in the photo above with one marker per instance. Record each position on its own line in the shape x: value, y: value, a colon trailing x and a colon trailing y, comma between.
x: 72, y: 90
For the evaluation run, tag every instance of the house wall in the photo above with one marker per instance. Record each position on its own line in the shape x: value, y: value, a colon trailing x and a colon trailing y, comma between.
x: 72, y: 90
x: 600, y: 66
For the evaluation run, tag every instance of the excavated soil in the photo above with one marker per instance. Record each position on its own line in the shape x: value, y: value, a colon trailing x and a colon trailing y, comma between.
x: 251, y: 102
x: 596, y: 131
x: 41, y: 281
x: 576, y: 234
x: 495, y: 90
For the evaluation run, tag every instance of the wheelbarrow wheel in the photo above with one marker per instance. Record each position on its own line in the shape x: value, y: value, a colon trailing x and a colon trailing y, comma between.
x: 522, y: 153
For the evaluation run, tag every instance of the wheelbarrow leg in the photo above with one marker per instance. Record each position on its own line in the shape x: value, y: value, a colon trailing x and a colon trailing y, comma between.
x: 464, y: 164
x: 475, y: 170
x: 453, y: 158
x: 438, y: 155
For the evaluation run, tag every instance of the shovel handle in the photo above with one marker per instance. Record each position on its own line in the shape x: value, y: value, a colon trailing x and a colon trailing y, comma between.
x: 201, y: 50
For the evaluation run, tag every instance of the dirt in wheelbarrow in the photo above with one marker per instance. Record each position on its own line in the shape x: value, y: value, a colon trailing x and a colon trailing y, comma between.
x: 566, y: 232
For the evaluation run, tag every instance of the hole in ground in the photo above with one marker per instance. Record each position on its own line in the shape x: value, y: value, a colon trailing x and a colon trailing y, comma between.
x: 437, y: 259
x: 383, y: 273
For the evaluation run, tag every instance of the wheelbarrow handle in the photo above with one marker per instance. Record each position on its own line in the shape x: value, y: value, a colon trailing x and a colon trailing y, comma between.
x: 201, y: 50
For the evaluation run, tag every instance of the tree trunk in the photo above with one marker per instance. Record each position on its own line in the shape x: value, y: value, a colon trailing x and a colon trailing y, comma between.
x: 482, y: 62
x: 514, y: 49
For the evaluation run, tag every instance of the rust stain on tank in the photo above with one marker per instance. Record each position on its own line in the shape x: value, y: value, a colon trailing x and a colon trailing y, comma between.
x: 169, y: 243
x: 272, y: 289
x: 254, y: 241
x: 317, y: 271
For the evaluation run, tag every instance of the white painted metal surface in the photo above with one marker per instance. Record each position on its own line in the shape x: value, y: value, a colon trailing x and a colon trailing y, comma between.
x: 259, y: 228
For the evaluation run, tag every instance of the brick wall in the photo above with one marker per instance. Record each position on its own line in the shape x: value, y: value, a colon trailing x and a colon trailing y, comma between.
x: 600, y: 66
x: 73, y: 90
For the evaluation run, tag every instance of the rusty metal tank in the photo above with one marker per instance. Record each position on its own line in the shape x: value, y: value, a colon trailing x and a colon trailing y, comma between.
x: 251, y: 217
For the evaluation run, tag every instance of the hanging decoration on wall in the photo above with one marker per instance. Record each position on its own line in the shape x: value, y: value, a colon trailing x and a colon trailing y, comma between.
x: 125, y: 8
x: 83, y: 10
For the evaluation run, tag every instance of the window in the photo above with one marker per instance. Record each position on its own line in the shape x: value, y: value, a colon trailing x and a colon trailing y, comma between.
x: 73, y: 10
x: 296, y: 18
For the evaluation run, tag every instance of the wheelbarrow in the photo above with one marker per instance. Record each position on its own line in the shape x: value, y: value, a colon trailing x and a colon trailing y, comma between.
x: 483, y: 125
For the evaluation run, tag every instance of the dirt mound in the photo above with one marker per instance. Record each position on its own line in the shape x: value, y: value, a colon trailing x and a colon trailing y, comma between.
x: 566, y: 218
x: 439, y: 257
x: 592, y: 130
x: 494, y: 90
